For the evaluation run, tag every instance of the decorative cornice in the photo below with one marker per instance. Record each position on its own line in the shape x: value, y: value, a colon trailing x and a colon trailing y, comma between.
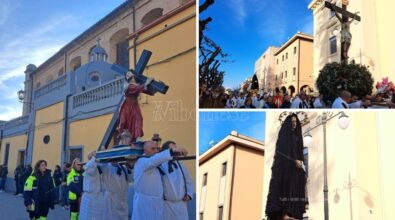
x: 314, y: 4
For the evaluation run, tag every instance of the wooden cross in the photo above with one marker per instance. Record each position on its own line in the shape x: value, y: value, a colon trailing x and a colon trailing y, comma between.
x: 152, y: 88
x: 343, y: 11
x: 344, y: 20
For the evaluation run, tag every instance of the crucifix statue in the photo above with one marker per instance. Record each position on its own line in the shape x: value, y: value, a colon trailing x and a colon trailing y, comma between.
x: 345, y: 22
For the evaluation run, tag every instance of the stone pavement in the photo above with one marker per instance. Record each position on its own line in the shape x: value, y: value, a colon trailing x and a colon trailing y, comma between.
x: 12, y: 208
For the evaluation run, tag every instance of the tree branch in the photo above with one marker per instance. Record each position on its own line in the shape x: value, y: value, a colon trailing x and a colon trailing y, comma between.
x: 205, y: 5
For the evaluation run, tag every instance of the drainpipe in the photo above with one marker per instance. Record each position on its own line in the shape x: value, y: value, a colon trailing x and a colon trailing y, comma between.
x: 31, y: 93
x: 135, y: 37
x: 65, y: 127
x: 1, y: 136
x: 27, y: 145
x: 65, y: 62
x: 299, y: 62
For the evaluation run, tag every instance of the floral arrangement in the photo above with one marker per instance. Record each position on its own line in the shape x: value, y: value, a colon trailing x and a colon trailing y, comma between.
x: 385, y: 85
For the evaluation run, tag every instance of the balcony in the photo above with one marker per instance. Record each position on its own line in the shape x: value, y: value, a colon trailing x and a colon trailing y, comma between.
x: 57, y: 84
x: 16, y: 126
x: 99, y: 94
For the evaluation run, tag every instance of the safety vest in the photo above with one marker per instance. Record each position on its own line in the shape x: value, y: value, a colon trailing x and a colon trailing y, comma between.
x: 31, y: 185
x: 75, y: 178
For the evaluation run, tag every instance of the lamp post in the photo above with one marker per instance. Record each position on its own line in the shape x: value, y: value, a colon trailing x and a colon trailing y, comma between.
x: 21, y: 96
x: 322, y: 120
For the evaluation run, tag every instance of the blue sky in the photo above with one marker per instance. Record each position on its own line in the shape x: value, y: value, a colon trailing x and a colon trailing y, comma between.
x: 214, y: 126
x: 246, y: 28
x: 31, y: 33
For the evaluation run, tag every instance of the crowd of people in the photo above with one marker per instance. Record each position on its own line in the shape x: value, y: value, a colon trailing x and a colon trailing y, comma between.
x: 281, y: 98
x: 162, y: 186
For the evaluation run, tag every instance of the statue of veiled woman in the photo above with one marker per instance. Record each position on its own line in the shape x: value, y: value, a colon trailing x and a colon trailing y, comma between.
x: 287, y: 189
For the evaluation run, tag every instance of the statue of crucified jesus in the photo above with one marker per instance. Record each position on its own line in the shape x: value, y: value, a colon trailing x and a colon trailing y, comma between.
x: 346, y: 35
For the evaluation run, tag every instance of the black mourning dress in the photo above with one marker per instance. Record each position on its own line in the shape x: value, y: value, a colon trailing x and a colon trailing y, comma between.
x: 287, y: 184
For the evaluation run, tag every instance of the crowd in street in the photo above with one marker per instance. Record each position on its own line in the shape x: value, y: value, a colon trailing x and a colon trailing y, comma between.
x: 162, y: 186
x: 281, y: 98
x: 23, y: 173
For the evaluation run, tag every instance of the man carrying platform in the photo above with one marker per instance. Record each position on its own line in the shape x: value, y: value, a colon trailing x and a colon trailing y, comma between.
x: 148, y: 201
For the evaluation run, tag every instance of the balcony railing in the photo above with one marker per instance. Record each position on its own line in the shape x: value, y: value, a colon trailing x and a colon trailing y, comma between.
x: 17, y: 122
x: 54, y: 85
x: 98, y: 94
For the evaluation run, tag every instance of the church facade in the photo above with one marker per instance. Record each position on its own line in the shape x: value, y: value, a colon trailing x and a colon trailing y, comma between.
x: 70, y: 99
x: 371, y: 37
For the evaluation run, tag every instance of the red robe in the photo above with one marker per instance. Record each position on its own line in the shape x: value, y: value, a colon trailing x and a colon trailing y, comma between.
x: 130, y: 116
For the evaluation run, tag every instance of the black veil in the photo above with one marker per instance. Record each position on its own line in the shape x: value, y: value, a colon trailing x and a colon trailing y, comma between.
x: 287, y: 183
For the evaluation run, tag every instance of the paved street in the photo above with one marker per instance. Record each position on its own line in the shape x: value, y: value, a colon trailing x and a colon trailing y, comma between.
x: 12, y: 208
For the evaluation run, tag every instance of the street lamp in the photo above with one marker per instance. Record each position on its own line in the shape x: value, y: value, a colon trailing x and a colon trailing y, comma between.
x: 307, y: 139
x: 322, y: 120
x: 21, y: 96
x: 343, y: 121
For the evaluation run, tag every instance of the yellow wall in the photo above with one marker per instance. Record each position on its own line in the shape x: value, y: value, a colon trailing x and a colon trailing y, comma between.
x: 171, y: 115
x: 302, y: 61
x: 89, y: 133
x: 306, y: 64
x: 247, y: 188
x: 17, y: 143
x: 50, y: 152
x: 288, y: 65
x: 386, y: 152
x: 385, y: 35
x: 213, y: 168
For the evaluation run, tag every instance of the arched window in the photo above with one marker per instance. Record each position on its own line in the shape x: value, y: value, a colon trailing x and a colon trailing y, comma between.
x: 91, y: 56
x: 75, y: 63
x: 152, y: 16
x: 60, y: 72
x: 38, y: 84
x: 119, y: 49
x: 48, y: 79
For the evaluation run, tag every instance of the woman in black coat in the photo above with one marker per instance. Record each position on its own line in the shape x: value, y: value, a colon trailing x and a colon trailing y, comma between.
x: 39, y: 191
x: 287, y: 198
x: 57, y: 178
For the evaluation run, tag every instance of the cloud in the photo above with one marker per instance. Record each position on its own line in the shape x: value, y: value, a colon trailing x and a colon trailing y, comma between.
x: 21, y: 48
x: 239, y: 9
x: 8, y: 112
x: 271, y: 23
x: 31, y: 46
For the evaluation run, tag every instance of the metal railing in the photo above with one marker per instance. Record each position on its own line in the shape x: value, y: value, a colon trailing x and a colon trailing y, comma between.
x: 51, y: 86
x: 17, y: 122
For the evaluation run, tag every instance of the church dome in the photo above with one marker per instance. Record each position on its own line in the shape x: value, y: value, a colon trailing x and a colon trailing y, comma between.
x: 98, y: 53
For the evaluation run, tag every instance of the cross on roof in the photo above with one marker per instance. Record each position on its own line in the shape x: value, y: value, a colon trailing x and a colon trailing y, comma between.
x: 98, y: 41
